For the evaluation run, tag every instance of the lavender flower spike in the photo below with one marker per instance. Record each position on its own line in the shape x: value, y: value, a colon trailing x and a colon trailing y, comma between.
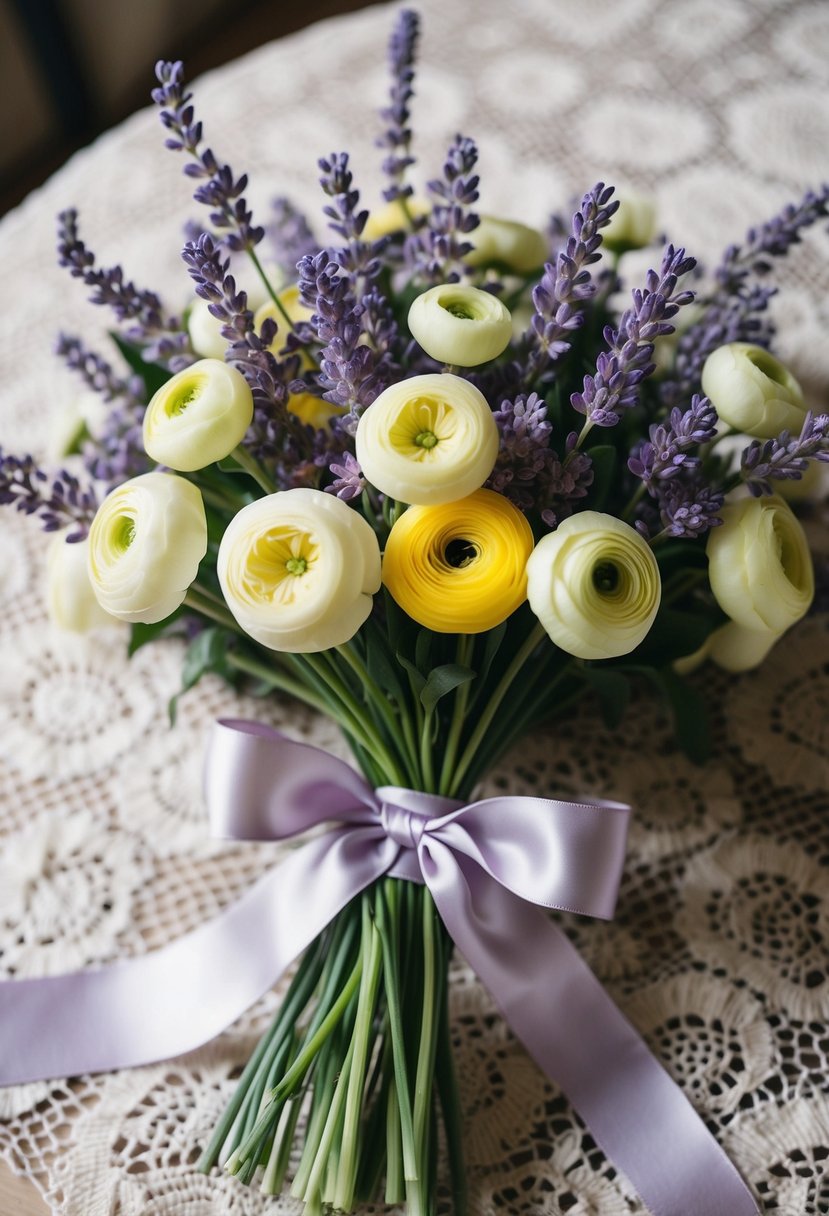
x: 667, y: 451
x: 436, y: 252
x: 784, y: 458
x: 614, y: 387
x: 560, y: 296
x: 290, y: 235
x: 398, y: 136
x: 59, y: 501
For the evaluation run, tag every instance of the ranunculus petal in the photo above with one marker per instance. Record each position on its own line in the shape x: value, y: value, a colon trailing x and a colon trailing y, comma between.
x: 459, y: 324
x: 752, y: 391
x: 199, y: 416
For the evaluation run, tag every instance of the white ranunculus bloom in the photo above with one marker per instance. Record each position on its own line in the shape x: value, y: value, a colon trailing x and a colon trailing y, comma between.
x: 737, y: 649
x: 145, y: 545
x: 198, y: 417
x: 752, y: 391
x: 506, y: 243
x: 428, y: 440
x: 594, y: 585
x: 632, y: 225
x: 70, y: 597
x: 298, y: 570
x: 759, y: 565
x: 460, y: 325
x: 205, y: 331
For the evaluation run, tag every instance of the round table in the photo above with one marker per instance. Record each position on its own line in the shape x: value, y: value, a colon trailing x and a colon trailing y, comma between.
x: 718, y: 109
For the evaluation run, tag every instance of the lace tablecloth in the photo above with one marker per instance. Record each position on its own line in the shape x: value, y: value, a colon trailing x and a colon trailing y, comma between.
x: 719, y: 951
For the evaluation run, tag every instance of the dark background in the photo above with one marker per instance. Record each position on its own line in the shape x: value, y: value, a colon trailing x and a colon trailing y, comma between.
x: 70, y: 69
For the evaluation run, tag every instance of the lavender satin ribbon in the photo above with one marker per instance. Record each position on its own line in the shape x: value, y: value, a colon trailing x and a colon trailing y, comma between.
x: 486, y: 865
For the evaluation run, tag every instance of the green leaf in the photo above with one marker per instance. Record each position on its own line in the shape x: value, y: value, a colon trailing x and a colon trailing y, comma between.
x: 141, y: 634
x: 417, y: 677
x: 382, y: 669
x: 443, y: 680
x: 494, y: 638
x: 205, y: 653
x: 613, y: 691
x: 603, y: 457
x: 673, y: 635
x: 423, y: 650
x: 230, y: 465
x: 691, y: 723
x: 153, y: 374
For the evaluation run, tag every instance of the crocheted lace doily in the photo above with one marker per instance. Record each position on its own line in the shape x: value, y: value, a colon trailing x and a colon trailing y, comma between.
x: 719, y: 951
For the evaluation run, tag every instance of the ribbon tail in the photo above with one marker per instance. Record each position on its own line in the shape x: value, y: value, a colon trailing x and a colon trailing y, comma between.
x: 574, y: 1031
x: 174, y: 999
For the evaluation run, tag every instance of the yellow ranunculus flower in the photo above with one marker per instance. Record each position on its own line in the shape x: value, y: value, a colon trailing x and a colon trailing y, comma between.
x: 459, y: 567
x: 752, y: 391
x: 759, y: 565
x: 145, y: 545
x: 314, y: 411
x: 506, y: 243
x: 298, y: 570
x: 459, y: 324
x: 594, y: 585
x: 198, y: 417
x: 391, y: 217
x: 290, y: 300
x: 428, y: 440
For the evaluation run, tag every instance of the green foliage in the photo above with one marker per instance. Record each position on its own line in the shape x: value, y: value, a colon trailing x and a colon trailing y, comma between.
x: 443, y: 680
x: 206, y: 653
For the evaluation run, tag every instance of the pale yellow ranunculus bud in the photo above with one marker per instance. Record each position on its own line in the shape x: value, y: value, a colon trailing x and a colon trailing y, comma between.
x: 759, y: 564
x: 391, y: 217
x: 205, y: 331
x: 594, y: 585
x: 506, y: 243
x: 70, y: 598
x: 145, y: 545
x: 737, y: 649
x: 314, y: 411
x: 298, y: 570
x: 632, y: 225
x: 752, y: 391
x: 290, y: 300
x: 461, y: 325
x: 198, y: 417
x: 428, y: 440
x: 813, y: 486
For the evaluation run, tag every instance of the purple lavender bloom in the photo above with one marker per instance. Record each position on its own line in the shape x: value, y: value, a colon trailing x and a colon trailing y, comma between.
x: 784, y: 458
x: 220, y: 191
x: 436, y: 251
x: 565, y: 287
x: 688, y: 506
x: 290, y: 235
x: 397, y: 136
x: 668, y: 448
x: 97, y: 374
x: 59, y: 499
x: 162, y: 336
x: 349, y: 482
x: 772, y: 239
x: 360, y: 259
x: 614, y: 387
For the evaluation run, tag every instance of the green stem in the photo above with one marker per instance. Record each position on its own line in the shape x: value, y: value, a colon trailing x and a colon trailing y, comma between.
x: 322, y: 663
x: 379, y: 699
x: 450, y: 1103
x: 193, y: 599
x: 254, y: 469
x: 466, y: 646
x: 284, y: 683
x: 476, y: 740
x: 635, y: 499
x: 427, y: 764
x: 269, y: 288
x: 426, y: 1051
x: 395, y: 1186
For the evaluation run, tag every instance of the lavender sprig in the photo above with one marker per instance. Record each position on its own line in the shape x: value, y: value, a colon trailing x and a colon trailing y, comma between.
x: 688, y: 506
x: 772, y: 239
x: 436, y: 252
x: 162, y: 335
x: 349, y: 482
x: 97, y: 374
x: 360, y: 259
x: 784, y: 458
x: 59, y: 499
x: 614, y: 387
x: 290, y: 235
x: 220, y: 191
x: 668, y: 449
x: 565, y: 287
x: 397, y: 136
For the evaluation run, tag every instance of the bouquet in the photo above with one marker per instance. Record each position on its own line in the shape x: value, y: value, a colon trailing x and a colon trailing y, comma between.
x: 436, y: 475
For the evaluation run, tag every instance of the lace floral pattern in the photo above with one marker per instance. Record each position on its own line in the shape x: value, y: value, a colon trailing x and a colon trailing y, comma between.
x: 718, y: 953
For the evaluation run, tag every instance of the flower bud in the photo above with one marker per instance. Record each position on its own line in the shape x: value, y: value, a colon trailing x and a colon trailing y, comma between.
x: 632, y: 225
x: 759, y: 565
x: 508, y: 244
x: 460, y: 325
x: 391, y: 217
x: 752, y: 391
x: 594, y: 585
x: 298, y: 570
x: 145, y: 545
x: 198, y: 417
x: 459, y: 567
x: 70, y: 598
x: 205, y: 330
x: 428, y: 440
x: 737, y: 649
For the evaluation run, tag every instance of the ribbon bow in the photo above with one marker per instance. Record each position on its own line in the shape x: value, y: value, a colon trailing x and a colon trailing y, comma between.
x: 491, y: 866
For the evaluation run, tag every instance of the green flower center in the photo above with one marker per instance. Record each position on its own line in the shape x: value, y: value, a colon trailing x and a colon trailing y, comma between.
x: 296, y: 565
x: 178, y: 400
x: 606, y: 578
x: 426, y: 439
x: 460, y: 311
x: 123, y: 533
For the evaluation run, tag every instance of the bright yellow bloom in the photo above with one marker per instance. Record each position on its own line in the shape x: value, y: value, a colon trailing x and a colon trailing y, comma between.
x: 293, y: 306
x: 312, y: 410
x: 391, y: 217
x: 427, y: 440
x: 459, y: 567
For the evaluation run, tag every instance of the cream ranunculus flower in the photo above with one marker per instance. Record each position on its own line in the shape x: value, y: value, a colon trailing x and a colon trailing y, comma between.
x: 594, y: 585
x: 759, y: 565
x: 298, y: 570
x: 752, y: 391
x: 461, y: 325
x: 506, y: 243
x: 145, y: 545
x: 632, y: 225
x: 70, y: 597
x: 428, y: 440
x: 737, y: 649
x: 198, y: 417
